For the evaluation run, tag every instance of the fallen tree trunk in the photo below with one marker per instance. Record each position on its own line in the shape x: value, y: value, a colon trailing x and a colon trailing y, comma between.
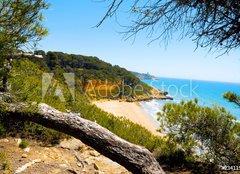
x: 135, y: 158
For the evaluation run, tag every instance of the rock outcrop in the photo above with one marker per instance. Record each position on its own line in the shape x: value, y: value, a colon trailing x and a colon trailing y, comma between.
x: 70, y: 156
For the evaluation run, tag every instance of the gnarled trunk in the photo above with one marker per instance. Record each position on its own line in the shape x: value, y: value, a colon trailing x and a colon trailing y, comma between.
x: 135, y: 158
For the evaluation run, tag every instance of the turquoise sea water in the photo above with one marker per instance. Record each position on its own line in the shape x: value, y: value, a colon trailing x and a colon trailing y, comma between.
x: 208, y: 93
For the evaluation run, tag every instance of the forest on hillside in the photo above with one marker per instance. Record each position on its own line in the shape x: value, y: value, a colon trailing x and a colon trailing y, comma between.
x: 90, y: 69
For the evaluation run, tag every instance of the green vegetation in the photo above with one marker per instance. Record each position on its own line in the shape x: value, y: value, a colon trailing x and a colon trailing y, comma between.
x: 190, y: 126
x: 30, y: 73
x: 195, y: 133
x: 233, y: 98
x: 23, y: 144
x: 21, y: 26
x: 91, y: 71
x: 205, y: 134
x: 5, y: 166
x: 2, y: 157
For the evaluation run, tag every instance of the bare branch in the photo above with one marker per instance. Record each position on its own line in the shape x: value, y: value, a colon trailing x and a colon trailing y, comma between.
x: 212, y: 24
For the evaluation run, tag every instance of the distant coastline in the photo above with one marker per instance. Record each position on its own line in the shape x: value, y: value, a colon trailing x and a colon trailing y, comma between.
x: 146, y: 76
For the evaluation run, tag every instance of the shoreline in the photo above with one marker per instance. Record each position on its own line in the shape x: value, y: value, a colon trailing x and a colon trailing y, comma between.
x: 129, y: 110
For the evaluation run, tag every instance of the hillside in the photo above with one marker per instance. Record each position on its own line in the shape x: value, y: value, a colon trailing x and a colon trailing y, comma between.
x: 97, y: 78
x: 26, y: 85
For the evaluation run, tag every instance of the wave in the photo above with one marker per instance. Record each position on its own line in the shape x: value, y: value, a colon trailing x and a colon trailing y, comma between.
x: 152, y: 107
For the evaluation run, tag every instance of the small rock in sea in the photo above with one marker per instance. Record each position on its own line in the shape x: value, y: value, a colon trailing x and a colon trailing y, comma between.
x: 24, y: 155
x: 26, y: 149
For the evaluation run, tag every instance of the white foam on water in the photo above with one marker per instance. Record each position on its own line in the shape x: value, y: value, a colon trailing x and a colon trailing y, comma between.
x: 152, y: 107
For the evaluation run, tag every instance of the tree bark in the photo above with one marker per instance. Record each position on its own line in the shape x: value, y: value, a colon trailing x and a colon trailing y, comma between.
x: 136, y: 159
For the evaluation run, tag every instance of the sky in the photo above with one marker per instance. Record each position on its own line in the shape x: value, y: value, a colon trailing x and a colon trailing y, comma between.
x: 71, y: 26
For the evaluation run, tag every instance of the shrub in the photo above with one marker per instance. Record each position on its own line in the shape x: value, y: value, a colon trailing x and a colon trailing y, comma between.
x: 5, y: 165
x: 204, y: 133
x: 23, y: 144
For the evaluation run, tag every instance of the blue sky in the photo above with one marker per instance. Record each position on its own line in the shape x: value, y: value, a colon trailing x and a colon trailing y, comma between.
x: 71, y: 30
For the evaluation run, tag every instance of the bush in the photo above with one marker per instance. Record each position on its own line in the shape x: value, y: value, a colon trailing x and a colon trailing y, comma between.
x: 23, y: 144
x: 205, y: 134
x: 5, y: 165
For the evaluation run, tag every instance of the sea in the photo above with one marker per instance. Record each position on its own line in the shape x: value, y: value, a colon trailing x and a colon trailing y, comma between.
x: 208, y: 93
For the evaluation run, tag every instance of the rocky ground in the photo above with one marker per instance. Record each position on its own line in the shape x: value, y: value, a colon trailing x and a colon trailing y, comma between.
x: 69, y: 157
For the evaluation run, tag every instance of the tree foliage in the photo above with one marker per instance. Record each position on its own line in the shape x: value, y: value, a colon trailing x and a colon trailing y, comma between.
x: 88, y: 68
x: 20, y: 29
x: 21, y: 23
x: 213, y: 24
x: 207, y: 134
x: 233, y: 98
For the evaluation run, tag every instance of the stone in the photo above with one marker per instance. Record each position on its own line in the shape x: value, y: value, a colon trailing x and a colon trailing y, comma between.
x: 24, y: 155
x: 27, y: 165
x: 19, y: 140
x: 71, y: 144
x: 37, y: 161
x: 55, y: 171
x: 95, y: 166
x: 26, y: 149
x: 94, y: 153
x: 63, y: 165
x: 4, y: 140
x: 79, y: 165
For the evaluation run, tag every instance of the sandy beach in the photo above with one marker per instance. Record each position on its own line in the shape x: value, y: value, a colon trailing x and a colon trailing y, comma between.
x: 131, y: 111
